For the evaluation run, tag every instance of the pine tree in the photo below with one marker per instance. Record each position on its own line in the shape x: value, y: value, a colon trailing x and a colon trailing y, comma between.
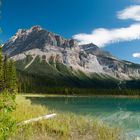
x: 6, y: 72
x: 1, y: 71
x: 12, y: 77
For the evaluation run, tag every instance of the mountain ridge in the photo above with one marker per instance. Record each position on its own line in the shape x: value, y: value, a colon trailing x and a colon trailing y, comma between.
x: 37, y: 43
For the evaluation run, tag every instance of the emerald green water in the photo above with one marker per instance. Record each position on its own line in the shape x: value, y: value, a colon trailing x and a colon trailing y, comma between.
x: 120, y: 112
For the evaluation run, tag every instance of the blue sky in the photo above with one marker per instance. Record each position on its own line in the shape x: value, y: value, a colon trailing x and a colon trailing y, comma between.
x: 73, y: 18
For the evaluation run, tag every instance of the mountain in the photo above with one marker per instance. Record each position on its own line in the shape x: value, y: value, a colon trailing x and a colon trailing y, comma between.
x: 40, y: 54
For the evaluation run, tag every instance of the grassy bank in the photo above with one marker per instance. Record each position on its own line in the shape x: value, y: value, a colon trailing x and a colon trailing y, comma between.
x: 63, y: 126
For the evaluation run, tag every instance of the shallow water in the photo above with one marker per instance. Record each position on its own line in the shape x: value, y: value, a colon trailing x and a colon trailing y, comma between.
x: 120, y: 112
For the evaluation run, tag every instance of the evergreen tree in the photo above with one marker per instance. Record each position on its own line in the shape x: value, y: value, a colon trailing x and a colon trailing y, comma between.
x: 7, y: 101
x: 12, y: 84
x: 9, y: 72
x: 1, y: 71
x: 6, y: 72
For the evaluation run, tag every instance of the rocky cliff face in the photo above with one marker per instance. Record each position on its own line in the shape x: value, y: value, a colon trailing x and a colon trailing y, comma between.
x: 51, y: 48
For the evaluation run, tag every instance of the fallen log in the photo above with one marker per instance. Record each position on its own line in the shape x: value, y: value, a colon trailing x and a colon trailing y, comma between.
x: 37, y: 119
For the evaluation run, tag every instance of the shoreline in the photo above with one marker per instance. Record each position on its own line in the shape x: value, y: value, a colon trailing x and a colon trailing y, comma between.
x: 75, y: 95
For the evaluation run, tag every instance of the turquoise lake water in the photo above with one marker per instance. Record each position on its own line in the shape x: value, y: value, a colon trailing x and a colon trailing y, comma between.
x: 120, y: 112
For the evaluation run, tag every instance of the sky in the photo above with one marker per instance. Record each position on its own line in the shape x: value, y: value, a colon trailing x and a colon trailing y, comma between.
x: 113, y: 25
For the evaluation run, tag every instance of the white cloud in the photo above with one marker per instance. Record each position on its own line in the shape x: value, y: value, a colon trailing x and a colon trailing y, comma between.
x: 136, y: 55
x: 132, y: 12
x: 103, y: 37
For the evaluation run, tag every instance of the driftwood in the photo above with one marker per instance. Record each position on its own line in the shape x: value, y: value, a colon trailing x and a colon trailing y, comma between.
x: 37, y: 119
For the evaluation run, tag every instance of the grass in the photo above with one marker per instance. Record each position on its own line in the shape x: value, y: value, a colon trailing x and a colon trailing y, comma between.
x: 65, y: 126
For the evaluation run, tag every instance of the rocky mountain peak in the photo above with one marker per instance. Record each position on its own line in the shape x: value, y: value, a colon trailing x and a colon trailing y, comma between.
x: 89, y: 58
x: 20, y: 32
x: 33, y: 38
x: 36, y: 28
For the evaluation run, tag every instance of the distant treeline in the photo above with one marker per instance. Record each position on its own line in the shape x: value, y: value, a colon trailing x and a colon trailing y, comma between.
x: 33, y: 83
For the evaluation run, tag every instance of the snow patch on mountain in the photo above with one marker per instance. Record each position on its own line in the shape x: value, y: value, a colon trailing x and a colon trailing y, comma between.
x: 30, y: 62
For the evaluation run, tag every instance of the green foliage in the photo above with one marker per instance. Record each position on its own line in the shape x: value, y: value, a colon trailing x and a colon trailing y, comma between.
x: 1, y: 71
x: 7, y: 105
x: 41, y: 76
x: 8, y: 90
x: 9, y: 71
x: 65, y: 126
x: 5, y: 71
x: 12, y: 77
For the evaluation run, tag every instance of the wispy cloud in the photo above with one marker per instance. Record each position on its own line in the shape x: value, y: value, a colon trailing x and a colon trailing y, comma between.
x: 136, y: 55
x: 103, y: 36
x: 132, y: 12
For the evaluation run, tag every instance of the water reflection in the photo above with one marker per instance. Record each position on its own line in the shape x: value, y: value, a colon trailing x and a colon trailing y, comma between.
x: 121, y: 112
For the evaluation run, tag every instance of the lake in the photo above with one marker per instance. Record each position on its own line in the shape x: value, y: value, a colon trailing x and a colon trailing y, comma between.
x: 120, y: 112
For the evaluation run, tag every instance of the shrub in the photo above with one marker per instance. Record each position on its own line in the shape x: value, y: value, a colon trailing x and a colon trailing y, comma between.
x: 7, y: 123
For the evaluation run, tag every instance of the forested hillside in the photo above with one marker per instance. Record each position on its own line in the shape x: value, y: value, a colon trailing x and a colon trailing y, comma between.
x: 8, y: 91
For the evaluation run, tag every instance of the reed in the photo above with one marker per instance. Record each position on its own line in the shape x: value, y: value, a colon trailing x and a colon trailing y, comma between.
x: 65, y: 126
